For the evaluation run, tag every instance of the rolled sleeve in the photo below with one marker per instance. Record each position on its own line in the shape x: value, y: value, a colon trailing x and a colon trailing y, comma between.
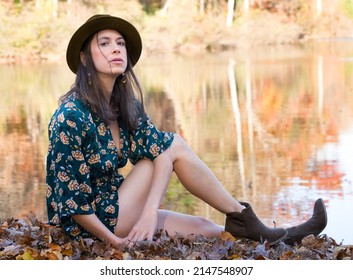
x: 148, y: 142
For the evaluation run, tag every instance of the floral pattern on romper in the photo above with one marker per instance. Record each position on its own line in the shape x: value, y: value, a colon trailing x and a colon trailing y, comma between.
x: 82, y: 164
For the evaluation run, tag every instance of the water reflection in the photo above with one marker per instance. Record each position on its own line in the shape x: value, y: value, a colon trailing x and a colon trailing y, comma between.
x: 275, y: 125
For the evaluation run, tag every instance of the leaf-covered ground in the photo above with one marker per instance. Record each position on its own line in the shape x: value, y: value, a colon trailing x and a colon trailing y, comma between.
x: 31, y: 239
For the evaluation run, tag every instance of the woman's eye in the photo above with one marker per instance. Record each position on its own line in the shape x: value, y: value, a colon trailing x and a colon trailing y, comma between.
x: 121, y: 43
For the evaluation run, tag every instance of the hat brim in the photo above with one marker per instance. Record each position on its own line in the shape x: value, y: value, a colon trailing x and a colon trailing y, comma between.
x: 98, y: 23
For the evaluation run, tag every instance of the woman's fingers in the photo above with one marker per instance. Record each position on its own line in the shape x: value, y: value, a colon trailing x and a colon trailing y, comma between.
x: 137, y: 236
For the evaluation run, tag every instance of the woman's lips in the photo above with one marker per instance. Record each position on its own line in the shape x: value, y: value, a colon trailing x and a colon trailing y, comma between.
x: 117, y: 60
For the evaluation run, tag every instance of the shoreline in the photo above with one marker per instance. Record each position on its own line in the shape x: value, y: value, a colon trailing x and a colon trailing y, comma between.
x: 219, y: 49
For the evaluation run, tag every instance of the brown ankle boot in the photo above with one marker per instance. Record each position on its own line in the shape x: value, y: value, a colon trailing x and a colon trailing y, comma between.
x: 246, y: 224
x: 315, y: 225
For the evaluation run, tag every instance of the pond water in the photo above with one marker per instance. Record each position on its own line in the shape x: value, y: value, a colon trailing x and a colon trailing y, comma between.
x: 274, y: 124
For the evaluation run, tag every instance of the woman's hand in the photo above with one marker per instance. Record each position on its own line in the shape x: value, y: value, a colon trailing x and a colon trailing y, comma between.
x: 144, y: 229
x: 92, y: 224
x: 117, y: 242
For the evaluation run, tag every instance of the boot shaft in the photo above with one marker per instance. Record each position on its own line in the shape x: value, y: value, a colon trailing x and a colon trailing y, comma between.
x: 246, y: 224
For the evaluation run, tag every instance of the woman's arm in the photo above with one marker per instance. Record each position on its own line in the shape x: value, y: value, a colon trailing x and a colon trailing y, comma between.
x: 92, y: 224
x: 69, y: 190
x: 146, y: 225
x: 148, y: 142
x: 162, y: 171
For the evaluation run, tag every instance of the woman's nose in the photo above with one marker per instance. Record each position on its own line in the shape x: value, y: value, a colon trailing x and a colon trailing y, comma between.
x: 116, y: 48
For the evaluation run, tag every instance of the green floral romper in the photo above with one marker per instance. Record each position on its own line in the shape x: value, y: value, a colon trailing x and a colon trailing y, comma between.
x: 82, y: 164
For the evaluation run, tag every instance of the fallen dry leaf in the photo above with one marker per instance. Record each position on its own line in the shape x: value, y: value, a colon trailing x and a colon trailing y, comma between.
x: 31, y: 239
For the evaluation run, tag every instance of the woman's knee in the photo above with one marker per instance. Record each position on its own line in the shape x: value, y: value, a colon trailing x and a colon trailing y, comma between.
x: 142, y: 169
x: 178, y: 141
x: 178, y: 147
x: 144, y: 163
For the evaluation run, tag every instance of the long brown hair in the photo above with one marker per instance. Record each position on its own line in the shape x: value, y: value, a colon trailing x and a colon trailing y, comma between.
x: 127, y: 97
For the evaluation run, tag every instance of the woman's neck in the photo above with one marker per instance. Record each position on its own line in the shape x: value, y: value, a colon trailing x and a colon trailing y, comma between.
x: 108, y: 85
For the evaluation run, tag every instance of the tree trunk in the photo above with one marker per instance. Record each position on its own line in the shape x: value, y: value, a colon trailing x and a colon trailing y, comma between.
x: 55, y: 8
x: 202, y: 7
x: 230, y: 12
x: 246, y: 6
x: 237, y: 119
x: 318, y: 7
x: 166, y: 6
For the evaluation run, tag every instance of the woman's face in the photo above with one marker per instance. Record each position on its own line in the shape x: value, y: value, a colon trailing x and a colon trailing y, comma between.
x: 109, y: 53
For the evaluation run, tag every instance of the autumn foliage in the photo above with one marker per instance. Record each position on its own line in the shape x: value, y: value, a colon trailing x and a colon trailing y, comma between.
x: 31, y: 239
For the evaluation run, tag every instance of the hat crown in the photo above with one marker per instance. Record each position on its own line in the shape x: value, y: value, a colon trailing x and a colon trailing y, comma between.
x: 98, y: 16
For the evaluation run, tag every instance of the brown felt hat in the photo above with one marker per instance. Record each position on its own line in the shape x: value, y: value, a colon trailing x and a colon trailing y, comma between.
x: 100, y: 22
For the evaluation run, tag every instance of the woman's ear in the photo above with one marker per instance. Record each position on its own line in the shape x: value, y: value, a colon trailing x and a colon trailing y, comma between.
x: 83, y: 58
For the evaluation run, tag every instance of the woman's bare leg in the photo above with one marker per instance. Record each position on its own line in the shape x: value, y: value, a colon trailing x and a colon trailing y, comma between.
x: 195, y: 176
x: 133, y: 193
x: 198, y: 179
x: 187, y: 225
x: 132, y: 197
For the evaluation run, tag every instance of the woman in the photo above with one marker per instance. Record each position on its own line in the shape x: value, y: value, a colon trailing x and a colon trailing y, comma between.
x: 100, y: 124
